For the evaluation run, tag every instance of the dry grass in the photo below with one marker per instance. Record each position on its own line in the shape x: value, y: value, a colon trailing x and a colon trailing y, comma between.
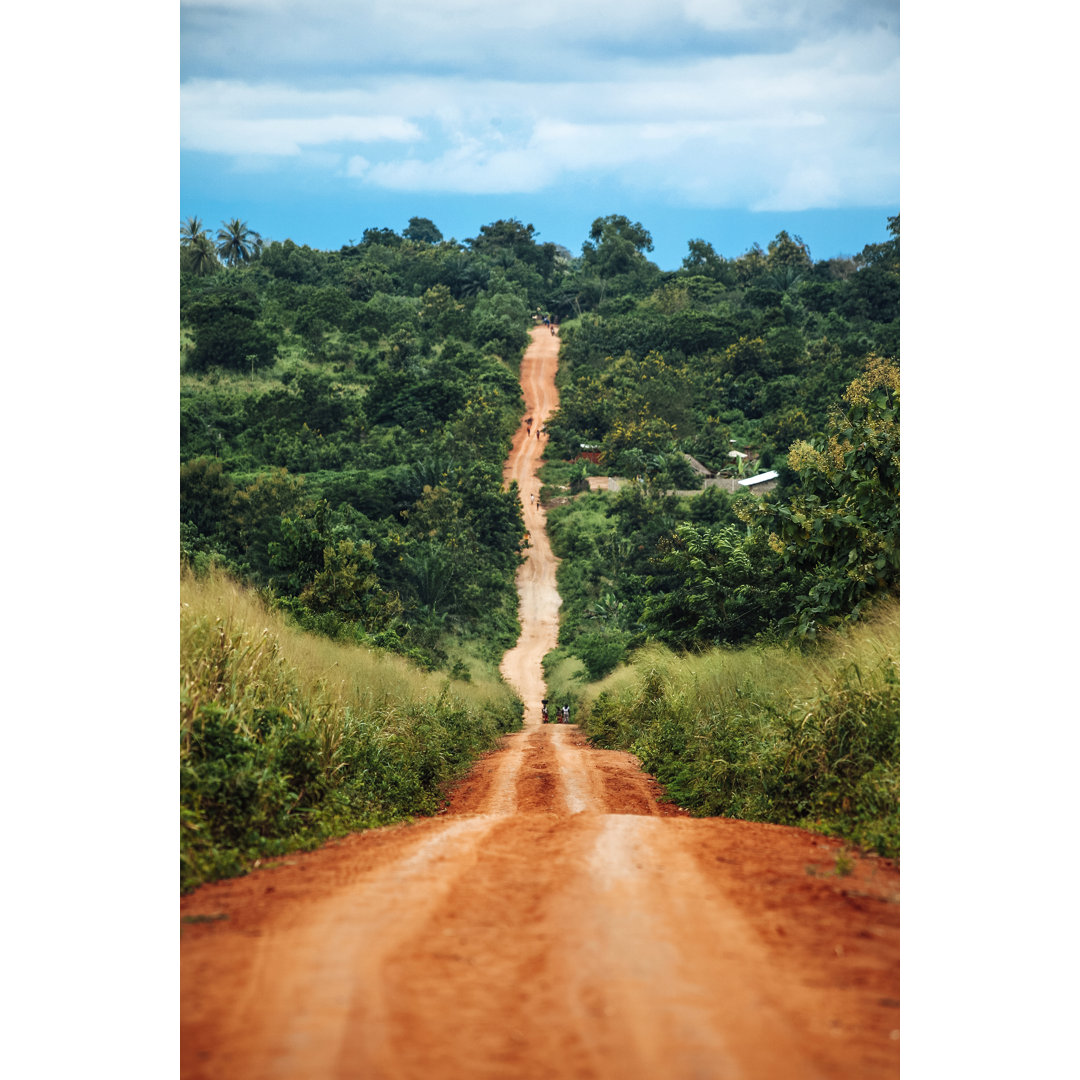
x: 770, y: 734
x: 287, y: 738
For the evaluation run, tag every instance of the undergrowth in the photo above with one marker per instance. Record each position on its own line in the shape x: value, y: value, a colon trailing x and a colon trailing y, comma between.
x: 287, y: 739
x: 770, y: 734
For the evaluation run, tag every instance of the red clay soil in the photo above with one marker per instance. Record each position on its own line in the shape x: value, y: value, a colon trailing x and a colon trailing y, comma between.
x: 559, y: 920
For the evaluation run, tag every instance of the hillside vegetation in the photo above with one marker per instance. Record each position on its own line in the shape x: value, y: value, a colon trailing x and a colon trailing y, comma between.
x: 287, y: 738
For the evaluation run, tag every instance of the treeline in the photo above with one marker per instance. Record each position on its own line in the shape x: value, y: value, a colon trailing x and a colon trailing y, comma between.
x: 749, y: 352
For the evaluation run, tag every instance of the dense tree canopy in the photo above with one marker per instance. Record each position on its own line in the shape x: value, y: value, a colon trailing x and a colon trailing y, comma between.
x: 345, y: 415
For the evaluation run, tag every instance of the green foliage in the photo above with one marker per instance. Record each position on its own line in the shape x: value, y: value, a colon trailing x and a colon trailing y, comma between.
x: 237, y: 243
x: 275, y: 758
x: 227, y: 332
x: 703, y: 260
x: 842, y: 527
x: 601, y: 652
x: 423, y: 231
x: 715, y: 587
x: 499, y: 319
x: 770, y: 735
x: 344, y: 420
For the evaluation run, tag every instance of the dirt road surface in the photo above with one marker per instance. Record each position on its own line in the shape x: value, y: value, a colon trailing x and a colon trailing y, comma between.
x: 558, y: 921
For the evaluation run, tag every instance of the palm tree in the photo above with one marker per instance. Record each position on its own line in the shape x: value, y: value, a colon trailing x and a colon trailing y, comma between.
x: 784, y: 278
x: 199, y: 256
x: 236, y: 242
x: 468, y: 276
x: 191, y: 231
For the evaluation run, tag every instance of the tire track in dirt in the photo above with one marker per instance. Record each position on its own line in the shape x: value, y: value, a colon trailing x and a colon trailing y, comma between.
x: 559, y: 920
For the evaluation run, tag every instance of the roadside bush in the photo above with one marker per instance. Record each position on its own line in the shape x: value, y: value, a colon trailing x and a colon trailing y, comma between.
x: 287, y: 739
x: 770, y: 734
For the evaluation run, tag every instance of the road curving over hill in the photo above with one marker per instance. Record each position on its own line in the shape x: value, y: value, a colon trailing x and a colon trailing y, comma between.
x: 559, y: 920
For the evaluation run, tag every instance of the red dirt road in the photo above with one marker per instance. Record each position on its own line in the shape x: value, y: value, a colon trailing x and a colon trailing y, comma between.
x: 558, y: 921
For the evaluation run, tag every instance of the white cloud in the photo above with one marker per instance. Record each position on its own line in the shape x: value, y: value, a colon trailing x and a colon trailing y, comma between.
x: 811, y: 122
x: 227, y: 118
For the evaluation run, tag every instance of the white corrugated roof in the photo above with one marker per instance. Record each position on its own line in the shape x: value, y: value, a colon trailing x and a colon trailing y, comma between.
x: 735, y: 453
x: 759, y: 479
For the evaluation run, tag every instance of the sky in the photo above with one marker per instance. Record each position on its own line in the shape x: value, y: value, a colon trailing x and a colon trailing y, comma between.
x: 725, y: 120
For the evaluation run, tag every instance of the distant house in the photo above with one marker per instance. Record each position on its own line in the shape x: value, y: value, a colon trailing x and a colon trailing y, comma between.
x: 761, y: 483
x: 588, y: 455
x: 700, y: 469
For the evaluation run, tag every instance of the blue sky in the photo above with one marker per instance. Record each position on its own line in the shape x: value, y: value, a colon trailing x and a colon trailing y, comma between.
x: 721, y: 119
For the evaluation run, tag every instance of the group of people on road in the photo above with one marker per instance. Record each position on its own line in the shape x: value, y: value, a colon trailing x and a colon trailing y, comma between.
x: 564, y: 714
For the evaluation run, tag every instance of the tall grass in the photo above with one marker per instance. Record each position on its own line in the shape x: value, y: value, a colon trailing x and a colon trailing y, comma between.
x: 770, y: 734
x: 287, y: 738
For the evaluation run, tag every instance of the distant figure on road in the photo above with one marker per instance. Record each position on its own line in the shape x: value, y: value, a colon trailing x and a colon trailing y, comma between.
x: 565, y: 715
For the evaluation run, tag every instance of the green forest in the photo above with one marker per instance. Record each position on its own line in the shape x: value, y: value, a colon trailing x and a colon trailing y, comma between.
x: 345, y: 416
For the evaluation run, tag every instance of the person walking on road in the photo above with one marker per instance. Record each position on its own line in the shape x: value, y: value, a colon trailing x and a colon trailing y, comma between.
x: 565, y: 715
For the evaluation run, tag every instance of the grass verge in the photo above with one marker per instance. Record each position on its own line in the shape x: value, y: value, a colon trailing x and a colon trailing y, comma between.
x: 770, y: 734
x: 287, y: 738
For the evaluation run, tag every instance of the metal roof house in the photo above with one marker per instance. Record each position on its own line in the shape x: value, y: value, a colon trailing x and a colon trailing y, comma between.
x: 761, y: 483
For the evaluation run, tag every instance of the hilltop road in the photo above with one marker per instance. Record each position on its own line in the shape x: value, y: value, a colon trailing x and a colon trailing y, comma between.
x: 558, y: 921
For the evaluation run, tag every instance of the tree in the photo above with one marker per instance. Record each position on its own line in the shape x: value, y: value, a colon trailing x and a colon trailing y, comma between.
x: 199, y: 257
x: 715, y: 593
x: 613, y: 253
x: 702, y: 259
x: 616, y: 245
x: 348, y: 585
x: 206, y: 495
x: 505, y: 236
x: 381, y: 238
x: 788, y: 251
x: 237, y: 243
x: 501, y: 318
x: 440, y: 315
x: 190, y: 231
x: 467, y: 275
x: 747, y: 356
x: 423, y: 230
x: 227, y: 333
x: 843, y: 527
x: 197, y: 254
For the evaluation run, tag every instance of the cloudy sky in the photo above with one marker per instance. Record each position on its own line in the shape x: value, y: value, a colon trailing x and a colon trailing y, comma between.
x: 725, y: 119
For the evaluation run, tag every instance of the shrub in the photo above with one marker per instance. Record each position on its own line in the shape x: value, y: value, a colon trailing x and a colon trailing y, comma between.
x: 287, y: 739
x: 770, y: 734
x: 227, y: 334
